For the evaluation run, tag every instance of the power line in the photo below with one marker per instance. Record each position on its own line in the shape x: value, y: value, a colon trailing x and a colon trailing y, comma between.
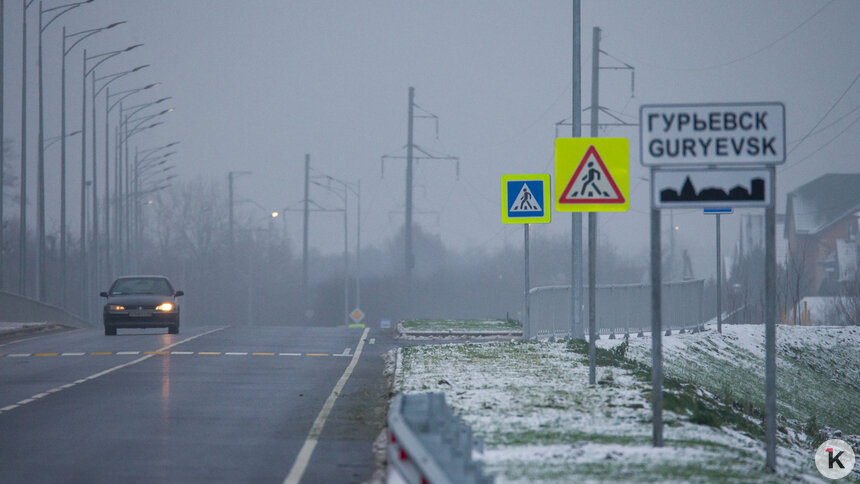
x: 842, y: 96
x: 822, y: 146
x: 744, y: 57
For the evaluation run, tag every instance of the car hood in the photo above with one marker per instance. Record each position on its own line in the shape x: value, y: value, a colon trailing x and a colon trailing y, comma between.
x: 139, y: 299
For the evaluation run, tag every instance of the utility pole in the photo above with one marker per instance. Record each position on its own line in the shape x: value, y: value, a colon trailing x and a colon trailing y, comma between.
x: 40, y: 175
x: 84, y: 268
x: 576, y: 327
x: 305, y: 221
x: 592, y: 216
x: 96, y: 264
x: 358, y: 251
x: 410, y: 158
x: 410, y: 259
x: 22, y: 217
x: 230, y: 176
x: 2, y: 150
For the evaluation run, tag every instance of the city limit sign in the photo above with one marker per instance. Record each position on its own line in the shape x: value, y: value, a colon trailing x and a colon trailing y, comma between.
x: 712, y: 134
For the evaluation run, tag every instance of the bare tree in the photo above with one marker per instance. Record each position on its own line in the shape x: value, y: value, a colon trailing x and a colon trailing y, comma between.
x: 845, y: 310
x: 797, y: 283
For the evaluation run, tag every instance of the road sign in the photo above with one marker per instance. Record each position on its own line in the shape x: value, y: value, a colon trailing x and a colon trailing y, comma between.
x: 525, y: 199
x: 592, y: 175
x: 718, y: 211
x: 712, y: 134
x: 720, y: 188
x: 356, y: 315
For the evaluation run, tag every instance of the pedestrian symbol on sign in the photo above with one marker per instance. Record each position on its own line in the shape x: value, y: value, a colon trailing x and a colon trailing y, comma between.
x: 525, y: 201
x: 591, y: 182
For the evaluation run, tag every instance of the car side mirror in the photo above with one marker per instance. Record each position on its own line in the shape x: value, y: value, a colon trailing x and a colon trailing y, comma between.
x: 179, y: 293
x: 103, y: 294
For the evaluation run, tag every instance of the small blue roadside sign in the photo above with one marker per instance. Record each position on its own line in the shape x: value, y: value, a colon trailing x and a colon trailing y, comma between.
x: 525, y: 199
x: 718, y: 211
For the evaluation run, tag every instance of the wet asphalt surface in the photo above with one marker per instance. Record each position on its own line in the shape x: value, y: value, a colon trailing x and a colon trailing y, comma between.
x: 211, y: 404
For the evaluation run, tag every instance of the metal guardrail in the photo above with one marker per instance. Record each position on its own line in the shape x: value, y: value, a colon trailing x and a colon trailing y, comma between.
x: 428, y: 443
x: 621, y: 308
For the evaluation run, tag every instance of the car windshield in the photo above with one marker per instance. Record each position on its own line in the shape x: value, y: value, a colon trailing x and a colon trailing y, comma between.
x: 141, y: 285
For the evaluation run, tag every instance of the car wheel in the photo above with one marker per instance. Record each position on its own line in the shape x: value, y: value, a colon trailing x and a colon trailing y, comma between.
x: 109, y: 331
x: 173, y: 329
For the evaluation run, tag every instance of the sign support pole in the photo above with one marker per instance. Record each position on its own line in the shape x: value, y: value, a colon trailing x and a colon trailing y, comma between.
x: 527, y: 325
x: 656, y: 330
x: 770, y: 329
x: 576, y: 326
x: 719, y: 280
x: 592, y: 216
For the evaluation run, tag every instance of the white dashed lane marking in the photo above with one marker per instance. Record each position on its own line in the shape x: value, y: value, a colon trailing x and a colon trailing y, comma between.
x: 101, y: 373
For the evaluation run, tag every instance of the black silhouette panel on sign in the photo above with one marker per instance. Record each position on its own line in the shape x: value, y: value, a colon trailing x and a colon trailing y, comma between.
x: 737, y: 193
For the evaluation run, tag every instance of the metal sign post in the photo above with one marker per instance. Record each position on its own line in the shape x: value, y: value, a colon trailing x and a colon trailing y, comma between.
x: 656, y: 330
x: 740, y: 144
x: 719, y: 277
x: 770, y: 331
x: 525, y: 200
x: 528, y: 320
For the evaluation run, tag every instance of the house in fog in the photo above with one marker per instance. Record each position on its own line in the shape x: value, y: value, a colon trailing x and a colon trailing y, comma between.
x: 821, y: 225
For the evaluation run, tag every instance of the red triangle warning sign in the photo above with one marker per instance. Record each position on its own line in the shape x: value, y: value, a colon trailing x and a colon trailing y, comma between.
x: 591, y: 182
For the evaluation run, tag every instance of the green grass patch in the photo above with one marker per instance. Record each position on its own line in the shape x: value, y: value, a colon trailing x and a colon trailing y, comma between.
x: 680, y: 397
x: 462, y: 325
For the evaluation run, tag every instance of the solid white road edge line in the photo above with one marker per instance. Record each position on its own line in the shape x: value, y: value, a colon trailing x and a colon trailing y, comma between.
x: 102, y: 373
x: 307, y: 450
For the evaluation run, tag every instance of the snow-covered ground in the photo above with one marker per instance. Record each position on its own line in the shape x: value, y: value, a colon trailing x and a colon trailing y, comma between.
x: 541, y: 421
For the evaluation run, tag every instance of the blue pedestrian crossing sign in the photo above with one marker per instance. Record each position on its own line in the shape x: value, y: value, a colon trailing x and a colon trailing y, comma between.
x: 526, y: 199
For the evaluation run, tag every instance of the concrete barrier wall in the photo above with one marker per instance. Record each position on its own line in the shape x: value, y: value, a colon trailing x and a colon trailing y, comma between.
x: 20, y: 309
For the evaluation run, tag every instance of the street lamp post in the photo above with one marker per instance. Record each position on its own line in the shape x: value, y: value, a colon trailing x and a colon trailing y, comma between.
x: 139, y: 165
x: 121, y: 95
x: 343, y: 194
x: 60, y: 10
x: 22, y: 217
x: 83, y: 236
x: 79, y: 36
x: 107, y: 81
x: 125, y: 134
x: 128, y: 194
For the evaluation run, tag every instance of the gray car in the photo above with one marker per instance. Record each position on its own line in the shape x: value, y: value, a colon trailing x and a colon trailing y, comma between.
x: 141, y: 302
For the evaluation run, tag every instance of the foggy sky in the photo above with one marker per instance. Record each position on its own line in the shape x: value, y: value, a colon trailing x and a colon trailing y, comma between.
x: 257, y: 84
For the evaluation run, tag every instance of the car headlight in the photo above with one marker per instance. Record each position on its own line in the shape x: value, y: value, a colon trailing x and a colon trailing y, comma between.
x: 116, y: 307
x: 164, y: 307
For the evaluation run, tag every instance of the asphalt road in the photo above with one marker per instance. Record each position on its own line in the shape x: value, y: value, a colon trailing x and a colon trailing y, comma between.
x: 211, y: 404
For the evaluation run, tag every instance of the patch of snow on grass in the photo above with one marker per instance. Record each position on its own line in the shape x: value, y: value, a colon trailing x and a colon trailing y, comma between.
x: 531, y: 403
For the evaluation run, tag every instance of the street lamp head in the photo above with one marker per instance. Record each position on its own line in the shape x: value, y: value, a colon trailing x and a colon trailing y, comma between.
x: 113, y: 24
x: 135, y: 46
x: 274, y: 214
x: 172, y: 144
x: 139, y: 68
x: 161, y: 100
x: 151, y: 85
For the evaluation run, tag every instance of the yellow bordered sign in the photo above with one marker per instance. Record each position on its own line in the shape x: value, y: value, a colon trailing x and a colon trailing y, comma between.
x: 592, y: 175
x: 526, y: 199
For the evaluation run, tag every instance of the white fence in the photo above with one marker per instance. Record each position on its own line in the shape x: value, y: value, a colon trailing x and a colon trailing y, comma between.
x: 621, y: 308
